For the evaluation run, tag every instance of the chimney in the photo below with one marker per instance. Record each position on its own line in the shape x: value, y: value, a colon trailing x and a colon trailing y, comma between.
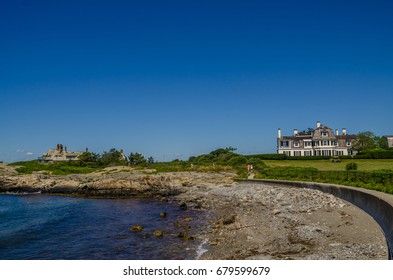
x: 344, y: 131
x: 87, y: 150
x: 295, y: 132
x: 279, y: 133
x: 336, y: 132
x: 318, y: 124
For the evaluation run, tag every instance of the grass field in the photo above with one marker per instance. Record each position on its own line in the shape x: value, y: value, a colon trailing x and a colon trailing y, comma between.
x: 327, y: 165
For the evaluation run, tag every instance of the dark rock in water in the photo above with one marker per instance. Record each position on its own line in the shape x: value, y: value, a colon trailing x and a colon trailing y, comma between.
x: 159, y: 233
x: 187, y: 220
x: 121, y: 236
x: 136, y: 228
x: 163, y: 214
x: 146, y: 235
x: 119, y: 248
x: 183, y: 206
x: 185, y: 236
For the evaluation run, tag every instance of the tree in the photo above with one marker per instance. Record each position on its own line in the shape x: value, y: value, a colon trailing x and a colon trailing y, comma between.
x: 112, y: 157
x: 221, y: 155
x: 365, y: 142
x: 150, y: 160
x: 136, y: 159
x: 382, y: 142
x: 89, y: 157
x: 309, y: 131
x: 220, y: 151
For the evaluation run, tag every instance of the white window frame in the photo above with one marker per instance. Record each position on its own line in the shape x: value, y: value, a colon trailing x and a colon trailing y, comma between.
x: 284, y: 144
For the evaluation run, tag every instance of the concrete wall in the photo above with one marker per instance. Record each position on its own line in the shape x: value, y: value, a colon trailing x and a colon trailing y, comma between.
x: 378, y: 205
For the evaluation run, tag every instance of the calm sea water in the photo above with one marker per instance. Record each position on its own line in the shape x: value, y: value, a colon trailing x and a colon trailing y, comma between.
x: 56, y: 227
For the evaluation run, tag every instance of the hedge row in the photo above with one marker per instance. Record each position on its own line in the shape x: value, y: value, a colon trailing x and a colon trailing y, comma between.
x: 378, y: 154
x: 383, y: 154
x: 381, y: 181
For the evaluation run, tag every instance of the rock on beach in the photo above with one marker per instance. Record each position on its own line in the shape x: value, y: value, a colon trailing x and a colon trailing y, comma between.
x: 289, y: 223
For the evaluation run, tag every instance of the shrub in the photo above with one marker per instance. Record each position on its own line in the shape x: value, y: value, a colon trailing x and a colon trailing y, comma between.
x: 351, y: 166
x: 237, y: 161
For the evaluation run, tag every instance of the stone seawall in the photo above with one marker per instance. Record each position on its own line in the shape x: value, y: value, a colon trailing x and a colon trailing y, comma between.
x: 378, y: 205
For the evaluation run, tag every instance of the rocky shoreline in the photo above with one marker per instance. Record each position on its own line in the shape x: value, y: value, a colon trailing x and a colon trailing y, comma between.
x: 247, y: 221
x: 112, y: 182
x: 264, y: 222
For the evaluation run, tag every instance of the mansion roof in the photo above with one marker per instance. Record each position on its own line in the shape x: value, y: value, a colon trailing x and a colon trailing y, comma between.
x: 320, y: 133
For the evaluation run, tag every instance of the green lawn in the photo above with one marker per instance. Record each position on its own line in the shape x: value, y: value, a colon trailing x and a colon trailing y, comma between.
x: 327, y: 165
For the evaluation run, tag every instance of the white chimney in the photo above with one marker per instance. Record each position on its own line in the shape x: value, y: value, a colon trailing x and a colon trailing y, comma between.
x: 279, y: 133
x: 344, y: 131
x: 336, y: 132
x: 318, y: 124
x: 295, y: 132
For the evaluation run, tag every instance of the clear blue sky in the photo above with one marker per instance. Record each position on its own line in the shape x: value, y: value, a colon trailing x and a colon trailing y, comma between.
x: 172, y: 79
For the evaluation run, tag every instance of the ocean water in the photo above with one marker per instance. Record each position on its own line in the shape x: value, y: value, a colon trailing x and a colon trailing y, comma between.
x: 37, y: 226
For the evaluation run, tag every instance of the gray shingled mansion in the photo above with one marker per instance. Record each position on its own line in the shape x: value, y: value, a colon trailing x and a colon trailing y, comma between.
x: 59, y: 154
x: 321, y: 141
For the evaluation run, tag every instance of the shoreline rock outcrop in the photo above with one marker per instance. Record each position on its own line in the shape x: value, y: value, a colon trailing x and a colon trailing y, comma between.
x: 119, y: 184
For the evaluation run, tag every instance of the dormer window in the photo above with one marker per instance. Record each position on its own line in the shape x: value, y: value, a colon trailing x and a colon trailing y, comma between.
x: 325, y: 134
x: 284, y: 144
